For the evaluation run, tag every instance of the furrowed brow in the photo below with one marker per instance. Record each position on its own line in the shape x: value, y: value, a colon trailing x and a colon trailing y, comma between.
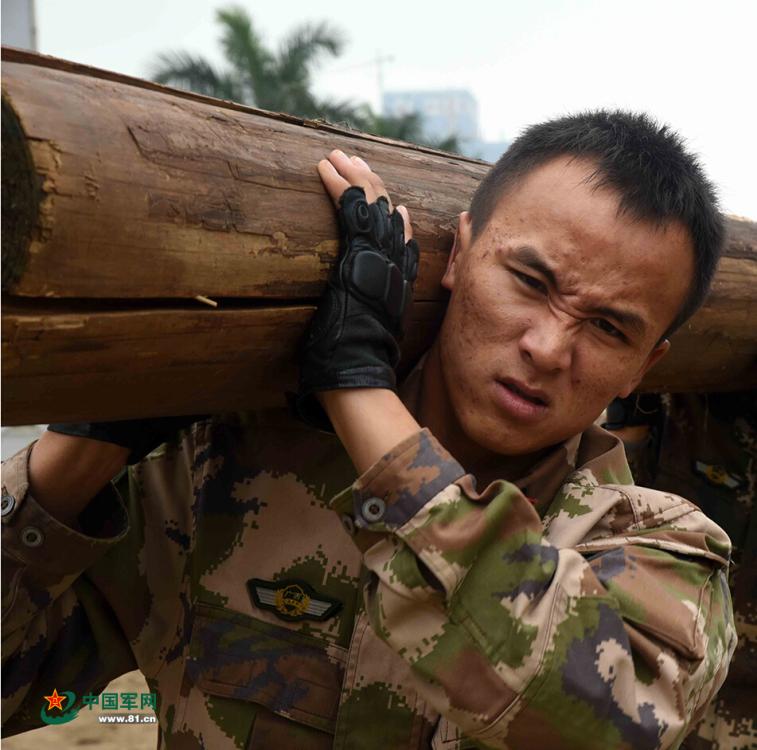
x: 530, y: 257
x: 630, y: 321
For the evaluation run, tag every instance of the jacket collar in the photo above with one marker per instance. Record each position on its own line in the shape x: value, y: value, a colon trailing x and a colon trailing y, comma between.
x: 594, y: 447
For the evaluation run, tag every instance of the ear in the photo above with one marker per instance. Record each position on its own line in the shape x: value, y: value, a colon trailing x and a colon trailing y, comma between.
x: 654, y: 357
x: 460, y: 245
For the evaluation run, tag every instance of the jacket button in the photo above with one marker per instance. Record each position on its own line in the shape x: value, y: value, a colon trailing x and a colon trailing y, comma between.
x: 349, y: 524
x: 373, y: 509
x: 32, y: 537
x: 7, y: 504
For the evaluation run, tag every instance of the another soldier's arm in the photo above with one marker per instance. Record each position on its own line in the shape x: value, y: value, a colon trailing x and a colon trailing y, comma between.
x: 71, y: 463
x: 61, y: 515
x: 66, y: 472
x: 48, y: 635
x: 517, y: 641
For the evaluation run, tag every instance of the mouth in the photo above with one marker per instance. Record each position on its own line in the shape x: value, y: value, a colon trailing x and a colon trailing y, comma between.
x: 533, y: 395
x: 519, y: 402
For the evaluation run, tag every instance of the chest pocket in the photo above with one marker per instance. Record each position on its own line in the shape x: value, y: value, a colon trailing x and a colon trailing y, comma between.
x: 295, y: 677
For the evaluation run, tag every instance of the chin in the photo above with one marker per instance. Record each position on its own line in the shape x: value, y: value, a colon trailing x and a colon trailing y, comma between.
x: 510, y: 441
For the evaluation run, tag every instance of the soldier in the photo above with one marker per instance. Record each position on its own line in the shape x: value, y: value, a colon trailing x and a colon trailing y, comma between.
x: 704, y: 447
x: 556, y: 607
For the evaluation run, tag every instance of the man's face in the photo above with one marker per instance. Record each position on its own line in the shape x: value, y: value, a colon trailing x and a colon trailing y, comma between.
x: 555, y: 309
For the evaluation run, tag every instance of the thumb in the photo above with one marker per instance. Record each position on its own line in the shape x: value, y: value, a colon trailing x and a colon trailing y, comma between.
x: 406, y: 221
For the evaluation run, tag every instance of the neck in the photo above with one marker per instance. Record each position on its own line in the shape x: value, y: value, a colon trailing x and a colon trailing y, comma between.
x: 435, y: 411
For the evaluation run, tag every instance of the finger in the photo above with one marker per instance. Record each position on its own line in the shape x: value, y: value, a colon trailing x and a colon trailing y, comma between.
x: 376, y: 181
x: 355, y: 174
x: 334, y: 183
x: 406, y: 221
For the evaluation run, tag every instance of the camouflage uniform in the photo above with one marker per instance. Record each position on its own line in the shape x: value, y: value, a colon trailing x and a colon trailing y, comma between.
x: 564, y: 610
x: 705, y: 448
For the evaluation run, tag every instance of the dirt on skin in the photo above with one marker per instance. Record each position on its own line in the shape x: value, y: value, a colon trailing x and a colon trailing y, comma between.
x: 86, y: 732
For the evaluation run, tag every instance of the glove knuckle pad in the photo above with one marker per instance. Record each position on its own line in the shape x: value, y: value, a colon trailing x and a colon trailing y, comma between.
x: 355, y: 212
x: 368, y: 275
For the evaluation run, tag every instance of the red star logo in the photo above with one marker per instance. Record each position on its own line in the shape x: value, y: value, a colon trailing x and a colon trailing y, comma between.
x: 55, y: 700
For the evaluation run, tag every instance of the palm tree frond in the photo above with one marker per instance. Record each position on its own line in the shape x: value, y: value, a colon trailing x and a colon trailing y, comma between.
x: 248, y: 56
x: 450, y: 144
x: 405, y: 128
x: 303, y: 48
x: 282, y: 82
x: 194, y: 73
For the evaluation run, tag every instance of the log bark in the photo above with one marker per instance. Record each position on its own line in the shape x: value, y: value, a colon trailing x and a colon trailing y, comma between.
x: 124, y: 200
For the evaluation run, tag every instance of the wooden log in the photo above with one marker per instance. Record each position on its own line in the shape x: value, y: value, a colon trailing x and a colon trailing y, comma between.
x: 85, y: 365
x: 124, y: 200
x: 145, y: 194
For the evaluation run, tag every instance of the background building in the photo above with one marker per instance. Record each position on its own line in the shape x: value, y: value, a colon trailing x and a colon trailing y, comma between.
x: 445, y: 113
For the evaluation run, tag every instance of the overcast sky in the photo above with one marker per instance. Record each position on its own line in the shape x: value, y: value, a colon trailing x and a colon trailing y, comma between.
x: 687, y: 62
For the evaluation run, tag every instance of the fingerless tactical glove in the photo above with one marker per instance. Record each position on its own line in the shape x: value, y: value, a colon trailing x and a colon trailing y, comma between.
x: 353, y: 339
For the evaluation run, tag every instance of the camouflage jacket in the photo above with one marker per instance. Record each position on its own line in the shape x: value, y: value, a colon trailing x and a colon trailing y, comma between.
x: 567, y: 609
x: 704, y: 446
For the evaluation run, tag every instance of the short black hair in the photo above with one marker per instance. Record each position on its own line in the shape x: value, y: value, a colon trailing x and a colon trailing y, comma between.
x: 646, y: 163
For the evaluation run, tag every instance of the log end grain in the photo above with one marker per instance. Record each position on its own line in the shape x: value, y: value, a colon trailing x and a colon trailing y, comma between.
x: 20, y: 197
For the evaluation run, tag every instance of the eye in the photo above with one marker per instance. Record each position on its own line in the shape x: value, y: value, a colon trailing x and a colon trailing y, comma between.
x: 531, y: 281
x: 608, y: 328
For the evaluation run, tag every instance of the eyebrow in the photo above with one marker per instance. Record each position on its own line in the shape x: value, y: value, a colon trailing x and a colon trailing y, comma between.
x: 530, y: 257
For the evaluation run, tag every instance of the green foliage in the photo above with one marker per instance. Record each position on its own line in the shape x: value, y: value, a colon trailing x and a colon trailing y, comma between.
x: 280, y: 80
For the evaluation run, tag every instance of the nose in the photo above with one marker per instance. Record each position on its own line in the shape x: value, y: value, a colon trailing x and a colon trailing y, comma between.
x: 548, y: 341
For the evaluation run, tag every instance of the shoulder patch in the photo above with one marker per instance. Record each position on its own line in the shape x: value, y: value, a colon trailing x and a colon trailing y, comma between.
x: 717, y: 475
x: 292, y: 599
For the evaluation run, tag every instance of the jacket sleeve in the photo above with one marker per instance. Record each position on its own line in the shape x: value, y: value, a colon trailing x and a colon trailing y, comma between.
x: 58, y: 632
x: 618, y: 643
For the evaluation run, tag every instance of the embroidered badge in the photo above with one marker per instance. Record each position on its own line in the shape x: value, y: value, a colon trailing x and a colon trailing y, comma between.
x: 292, y: 600
x: 717, y: 475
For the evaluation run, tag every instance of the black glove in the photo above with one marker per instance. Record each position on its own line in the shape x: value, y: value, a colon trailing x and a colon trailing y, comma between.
x: 352, y: 339
x: 140, y: 436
